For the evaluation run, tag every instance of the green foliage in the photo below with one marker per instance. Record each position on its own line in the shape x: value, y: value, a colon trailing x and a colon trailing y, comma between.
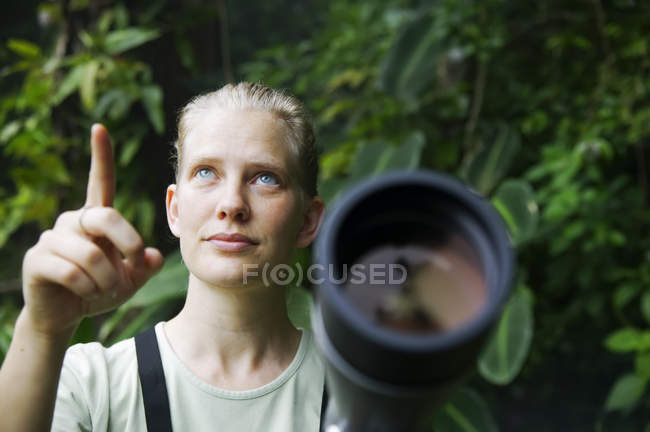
x: 299, y: 302
x: 504, y: 355
x: 465, y: 411
x: 541, y: 107
x: 515, y: 201
x: 491, y: 163
x: 410, y: 65
x: 8, y: 316
x: 170, y: 284
x: 35, y: 115
x: 626, y: 392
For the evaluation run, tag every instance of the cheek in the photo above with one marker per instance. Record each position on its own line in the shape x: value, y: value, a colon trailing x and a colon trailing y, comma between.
x: 190, y: 211
x: 282, y: 217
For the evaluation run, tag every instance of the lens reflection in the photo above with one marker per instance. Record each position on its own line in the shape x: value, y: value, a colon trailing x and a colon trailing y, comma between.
x: 443, y: 286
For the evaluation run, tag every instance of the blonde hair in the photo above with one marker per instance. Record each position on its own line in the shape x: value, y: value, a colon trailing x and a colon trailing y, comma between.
x: 255, y: 96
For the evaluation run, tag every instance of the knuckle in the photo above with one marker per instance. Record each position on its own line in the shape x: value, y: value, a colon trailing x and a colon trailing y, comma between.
x: 71, y: 276
x: 111, y: 216
x: 29, y: 253
x: 45, y: 236
x: 65, y: 218
x: 29, y: 258
x: 94, y: 256
x: 135, y: 245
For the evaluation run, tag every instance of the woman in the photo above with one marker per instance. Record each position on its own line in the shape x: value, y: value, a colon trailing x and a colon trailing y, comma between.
x: 245, y: 193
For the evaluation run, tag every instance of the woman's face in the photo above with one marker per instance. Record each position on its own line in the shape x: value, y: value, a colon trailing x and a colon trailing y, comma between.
x: 238, y: 176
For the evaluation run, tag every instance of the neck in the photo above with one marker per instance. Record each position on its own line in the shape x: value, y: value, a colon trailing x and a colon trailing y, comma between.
x: 233, y: 331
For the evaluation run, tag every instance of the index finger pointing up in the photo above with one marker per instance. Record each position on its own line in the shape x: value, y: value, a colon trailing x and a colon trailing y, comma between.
x: 101, y: 179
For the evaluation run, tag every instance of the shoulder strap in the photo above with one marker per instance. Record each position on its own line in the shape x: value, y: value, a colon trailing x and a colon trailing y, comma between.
x: 323, y: 406
x: 154, y: 387
x: 152, y: 380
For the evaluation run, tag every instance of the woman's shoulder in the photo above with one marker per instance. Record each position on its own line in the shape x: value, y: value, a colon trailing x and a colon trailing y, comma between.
x: 94, y: 351
x: 313, y: 360
x: 94, y: 357
x: 95, y: 381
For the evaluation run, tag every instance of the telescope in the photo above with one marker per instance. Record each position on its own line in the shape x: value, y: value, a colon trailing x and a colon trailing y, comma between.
x: 415, y: 268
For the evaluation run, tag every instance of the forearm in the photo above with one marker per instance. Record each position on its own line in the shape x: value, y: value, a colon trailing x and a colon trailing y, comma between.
x: 29, y: 378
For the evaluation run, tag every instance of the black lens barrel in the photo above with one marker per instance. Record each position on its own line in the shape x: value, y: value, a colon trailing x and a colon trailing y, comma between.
x: 409, y: 208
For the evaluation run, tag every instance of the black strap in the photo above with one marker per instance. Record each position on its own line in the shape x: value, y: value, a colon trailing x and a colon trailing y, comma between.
x: 154, y: 388
x: 152, y: 380
x: 323, y: 406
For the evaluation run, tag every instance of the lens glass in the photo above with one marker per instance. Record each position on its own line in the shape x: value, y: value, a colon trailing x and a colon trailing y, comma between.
x: 418, y: 286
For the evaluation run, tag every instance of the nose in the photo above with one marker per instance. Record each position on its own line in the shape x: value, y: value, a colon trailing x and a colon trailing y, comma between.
x: 232, y: 204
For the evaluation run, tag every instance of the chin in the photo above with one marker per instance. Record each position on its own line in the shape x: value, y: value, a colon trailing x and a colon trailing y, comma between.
x: 222, y: 278
x: 228, y: 271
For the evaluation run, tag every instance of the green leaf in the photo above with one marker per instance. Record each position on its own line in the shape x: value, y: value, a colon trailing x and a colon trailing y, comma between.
x: 169, y: 283
x: 370, y: 159
x: 508, y: 346
x: 87, y: 86
x: 146, y: 214
x: 624, y: 294
x: 351, y: 77
x: 105, y: 20
x: 152, y: 98
x: 642, y: 364
x: 331, y: 188
x: 625, y: 392
x: 407, y: 155
x: 130, y: 148
x: 515, y: 201
x: 9, y: 130
x: 492, y: 162
x: 24, y: 48
x: 410, y: 66
x: 86, y: 39
x: 144, y: 320
x: 110, y: 324
x: 120, y: 106
x: 70, y: 83
x: 377, y: 157
x: 106, y: 100
x: 299, y: 302
x: 645, y: 306
x: 85, y: 332
x: 624, y: 340
x: 466, y: 411
x: 118, y: 41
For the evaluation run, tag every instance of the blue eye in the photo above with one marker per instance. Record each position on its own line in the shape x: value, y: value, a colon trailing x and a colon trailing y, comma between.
x: 203, y: 172
x: 268, y: 179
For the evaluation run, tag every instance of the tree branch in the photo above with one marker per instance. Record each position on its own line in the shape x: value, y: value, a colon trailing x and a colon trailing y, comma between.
x: 642, y: 173
x: 600, y: 25
x: 477, y: 104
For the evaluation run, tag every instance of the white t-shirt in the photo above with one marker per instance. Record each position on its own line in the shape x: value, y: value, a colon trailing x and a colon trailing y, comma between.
x: 99, y: 390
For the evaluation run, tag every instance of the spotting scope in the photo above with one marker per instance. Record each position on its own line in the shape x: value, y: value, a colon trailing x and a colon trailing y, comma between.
x: 414, y: 269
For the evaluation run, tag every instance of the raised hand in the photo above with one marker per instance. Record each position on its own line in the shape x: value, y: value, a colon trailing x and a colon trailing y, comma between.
x: 92, y: 260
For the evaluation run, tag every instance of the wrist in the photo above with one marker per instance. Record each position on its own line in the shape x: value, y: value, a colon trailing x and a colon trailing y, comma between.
x: 46, y: 339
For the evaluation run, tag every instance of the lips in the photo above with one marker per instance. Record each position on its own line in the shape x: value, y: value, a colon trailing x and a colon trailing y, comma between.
x: 231, y: 242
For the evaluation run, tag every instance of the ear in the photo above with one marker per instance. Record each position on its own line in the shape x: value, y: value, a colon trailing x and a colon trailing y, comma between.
x: 171, y: 204
x: 312, y: 220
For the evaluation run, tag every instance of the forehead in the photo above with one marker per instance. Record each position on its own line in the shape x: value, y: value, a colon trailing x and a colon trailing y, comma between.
x: 237, y: 135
